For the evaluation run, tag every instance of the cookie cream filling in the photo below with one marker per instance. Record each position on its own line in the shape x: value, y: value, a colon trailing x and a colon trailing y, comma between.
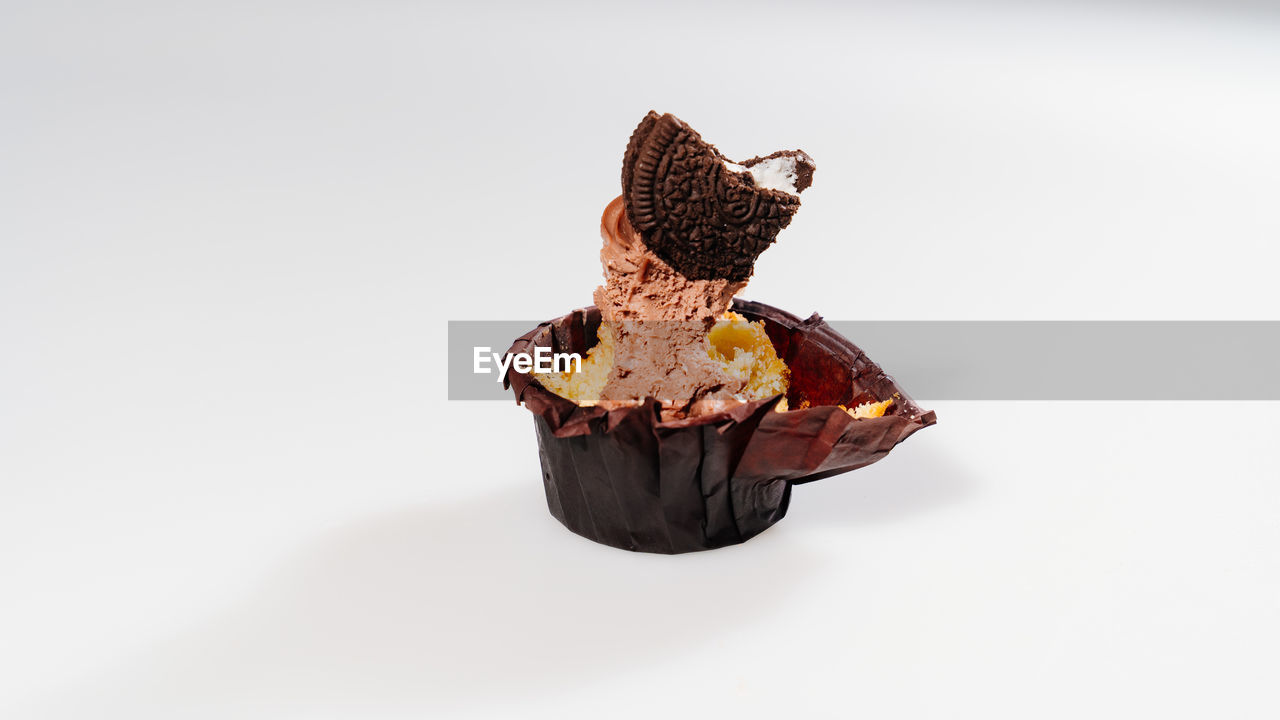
x: 771, y: 173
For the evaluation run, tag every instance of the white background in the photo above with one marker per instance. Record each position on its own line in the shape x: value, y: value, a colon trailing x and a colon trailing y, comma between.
x: 231, y: 235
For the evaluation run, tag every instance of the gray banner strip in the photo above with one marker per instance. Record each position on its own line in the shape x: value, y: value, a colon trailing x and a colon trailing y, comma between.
x: 1008, y: 360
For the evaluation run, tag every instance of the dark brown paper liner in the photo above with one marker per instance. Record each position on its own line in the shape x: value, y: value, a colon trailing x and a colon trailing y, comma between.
x: 624, y: 478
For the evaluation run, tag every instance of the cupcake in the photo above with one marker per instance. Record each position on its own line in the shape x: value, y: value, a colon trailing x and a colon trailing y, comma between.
x: 691, y: 413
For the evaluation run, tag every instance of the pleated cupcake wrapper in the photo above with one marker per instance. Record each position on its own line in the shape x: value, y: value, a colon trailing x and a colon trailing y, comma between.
x: 624, y: 478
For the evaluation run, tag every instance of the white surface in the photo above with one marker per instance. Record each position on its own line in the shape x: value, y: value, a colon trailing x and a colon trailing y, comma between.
x: 230, y: 485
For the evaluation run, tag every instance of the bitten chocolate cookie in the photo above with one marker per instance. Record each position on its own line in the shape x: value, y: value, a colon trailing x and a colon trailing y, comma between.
x: 703, y: 214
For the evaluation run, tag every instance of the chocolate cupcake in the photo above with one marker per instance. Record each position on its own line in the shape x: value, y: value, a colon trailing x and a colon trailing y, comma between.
x: 694, y: 413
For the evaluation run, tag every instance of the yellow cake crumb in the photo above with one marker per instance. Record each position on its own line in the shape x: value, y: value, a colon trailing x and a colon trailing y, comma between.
x: 744, y: 349
x: 868, y: 409
x: 584, y: 387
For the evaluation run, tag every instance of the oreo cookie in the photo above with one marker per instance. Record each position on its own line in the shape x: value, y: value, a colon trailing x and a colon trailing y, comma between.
x: 703, y: 218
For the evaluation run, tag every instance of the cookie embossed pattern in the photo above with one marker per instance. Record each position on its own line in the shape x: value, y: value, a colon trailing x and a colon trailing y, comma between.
x: 694, y: 413
x: 695, y: 211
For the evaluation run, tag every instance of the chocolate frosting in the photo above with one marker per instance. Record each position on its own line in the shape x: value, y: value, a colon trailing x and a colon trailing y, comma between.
x: 641, y: 285
x: 660, y: 320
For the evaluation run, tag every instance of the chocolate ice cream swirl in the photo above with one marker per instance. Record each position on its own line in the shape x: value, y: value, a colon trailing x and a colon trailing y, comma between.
x: 639, y: 285
x: 660, y: 320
